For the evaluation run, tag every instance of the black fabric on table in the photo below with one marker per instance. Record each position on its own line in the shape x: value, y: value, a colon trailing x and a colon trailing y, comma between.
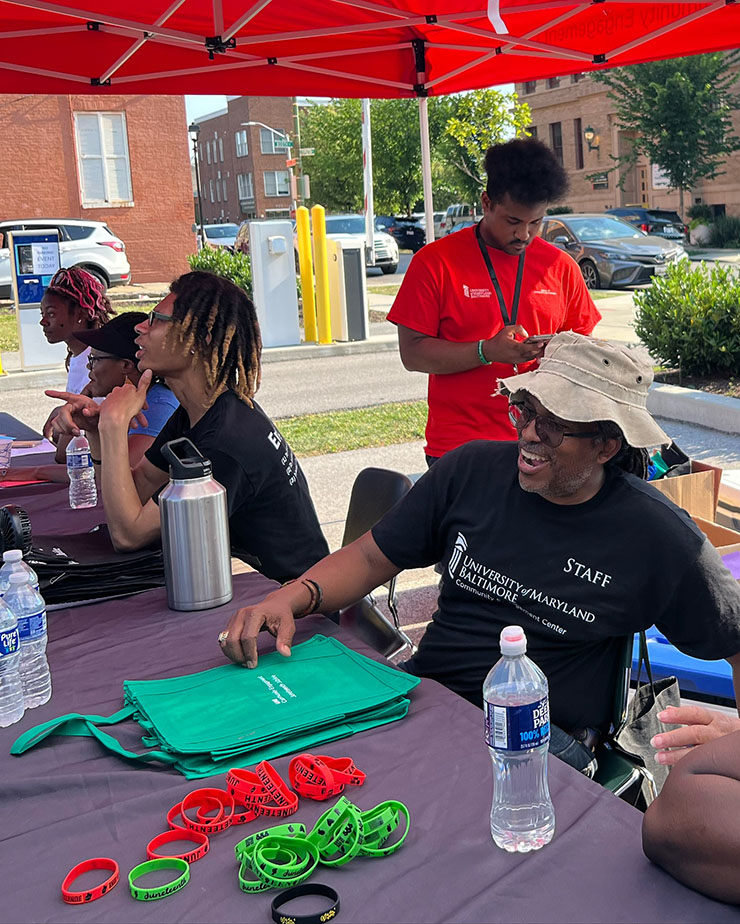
x: 68, y: 800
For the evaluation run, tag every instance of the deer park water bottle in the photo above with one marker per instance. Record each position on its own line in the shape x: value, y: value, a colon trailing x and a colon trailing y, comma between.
x: 29, y: 609
x: 83, y: 491
x: 12, y: 562
x: 11, y: 690
x: 517, y: 724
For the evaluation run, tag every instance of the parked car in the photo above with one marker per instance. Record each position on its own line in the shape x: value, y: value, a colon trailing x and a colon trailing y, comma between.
x: 610, y: 252
x: 88, y: 244
x: 219, y: 236
x: 439, y: 218
x: 351, y: 228
x: 663, y: 222
x: 408, y: 232
x: 468, y: 223
x: 456, y: 214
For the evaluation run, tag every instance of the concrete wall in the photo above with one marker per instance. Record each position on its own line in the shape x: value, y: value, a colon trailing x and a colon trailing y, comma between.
x: 39, y: 173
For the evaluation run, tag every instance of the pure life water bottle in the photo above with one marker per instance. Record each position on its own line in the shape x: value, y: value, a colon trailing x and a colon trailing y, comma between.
x: 517, y: 723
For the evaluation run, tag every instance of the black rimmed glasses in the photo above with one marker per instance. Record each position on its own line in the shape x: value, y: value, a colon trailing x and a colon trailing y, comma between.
x: 549, y: 432
x: 155, y: 315
x: 91, y: 360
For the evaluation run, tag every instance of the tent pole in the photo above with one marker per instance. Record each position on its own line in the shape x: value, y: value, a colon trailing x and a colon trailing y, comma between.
x: 367, y: 180
x: 426, y: 168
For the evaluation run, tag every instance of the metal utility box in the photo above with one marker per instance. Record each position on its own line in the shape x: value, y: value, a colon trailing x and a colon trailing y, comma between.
x: 337, y: 297
x: 355, y: 292
x: 274, y: 282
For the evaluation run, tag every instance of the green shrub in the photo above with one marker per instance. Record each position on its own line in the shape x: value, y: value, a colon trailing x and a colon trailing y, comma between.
x: 725, y: 232
x: 560, y: 210
x: 235, y: 266
x: 690, y: 318
x: 702, y: 214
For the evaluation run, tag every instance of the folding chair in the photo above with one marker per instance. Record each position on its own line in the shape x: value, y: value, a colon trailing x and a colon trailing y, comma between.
x: 617, y: 771
x: 374, y: 492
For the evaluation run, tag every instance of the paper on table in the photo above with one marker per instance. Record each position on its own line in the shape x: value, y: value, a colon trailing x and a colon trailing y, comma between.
x: 43, y: 446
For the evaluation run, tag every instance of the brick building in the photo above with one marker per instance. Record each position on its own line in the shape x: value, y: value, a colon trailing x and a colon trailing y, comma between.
x: 563, y: 108
x: 242, y: 173
x: 118, y: 159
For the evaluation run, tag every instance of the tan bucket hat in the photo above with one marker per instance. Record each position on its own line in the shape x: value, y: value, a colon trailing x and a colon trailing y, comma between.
x: 584, y: 380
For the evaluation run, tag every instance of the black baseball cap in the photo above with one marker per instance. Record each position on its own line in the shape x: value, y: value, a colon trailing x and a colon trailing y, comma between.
x: 117, y: 337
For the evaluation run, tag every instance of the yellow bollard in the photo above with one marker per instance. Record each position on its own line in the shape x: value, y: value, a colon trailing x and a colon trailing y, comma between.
x: 323, y: 309
x: 2, y: 371
x: 305, y: 261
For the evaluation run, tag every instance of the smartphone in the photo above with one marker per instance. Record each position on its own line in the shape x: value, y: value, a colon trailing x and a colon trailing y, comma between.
x: 539, y: 338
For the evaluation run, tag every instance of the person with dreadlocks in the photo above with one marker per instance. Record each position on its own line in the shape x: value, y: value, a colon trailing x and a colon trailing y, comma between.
x: 204, y: 340
x: 557, y: 532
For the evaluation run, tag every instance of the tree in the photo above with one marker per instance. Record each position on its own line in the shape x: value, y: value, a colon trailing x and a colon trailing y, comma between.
x: 679, y: 113
x: 335, y: 169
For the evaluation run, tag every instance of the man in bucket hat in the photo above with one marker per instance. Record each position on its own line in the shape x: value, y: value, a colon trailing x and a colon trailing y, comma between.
x: 557, y: 532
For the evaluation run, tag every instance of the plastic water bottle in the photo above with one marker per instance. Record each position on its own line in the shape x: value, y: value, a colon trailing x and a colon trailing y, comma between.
x: 517, y: 723
x: 12, y: 562
x: 29, y: 609
x: 11, y: 690
x: 83, y: 491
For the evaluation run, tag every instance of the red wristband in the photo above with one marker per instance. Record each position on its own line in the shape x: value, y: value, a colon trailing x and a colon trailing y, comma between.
x: 153, y: 851
x: 246, y: 785
x: 344, y: 770
x: 286, y: 800
x: 89, y: 895
x: 199, y: 798
x: 311, y: 777
x: 201, y: 815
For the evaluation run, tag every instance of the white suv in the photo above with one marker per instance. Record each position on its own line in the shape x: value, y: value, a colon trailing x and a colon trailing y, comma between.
x: 88, y: 244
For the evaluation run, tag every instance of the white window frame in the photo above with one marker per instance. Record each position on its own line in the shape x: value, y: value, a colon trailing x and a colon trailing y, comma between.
x: 245, y: 186
x: 242, y: 143
x: 103, y: 156
x: 277, y: 194
x: 210, y: 186
x: 226, y: 198
x: 268, y: 132
x: 221, y: 149
x: 208, y: 151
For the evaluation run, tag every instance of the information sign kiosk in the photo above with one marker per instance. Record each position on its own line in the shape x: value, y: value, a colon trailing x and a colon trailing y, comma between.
x: 34, y: 258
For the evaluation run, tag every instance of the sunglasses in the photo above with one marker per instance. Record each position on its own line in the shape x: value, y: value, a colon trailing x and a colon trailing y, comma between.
x: 155, y: 315
x: 549, y: 432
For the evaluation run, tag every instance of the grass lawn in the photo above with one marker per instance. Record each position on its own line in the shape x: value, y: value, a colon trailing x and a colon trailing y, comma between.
x: 338, y: 431
x: 9, y: 328
x: 384, y: 290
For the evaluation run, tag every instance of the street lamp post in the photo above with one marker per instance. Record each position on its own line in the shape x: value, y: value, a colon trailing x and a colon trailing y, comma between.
x: 293, y: 200
x: 194, y: 130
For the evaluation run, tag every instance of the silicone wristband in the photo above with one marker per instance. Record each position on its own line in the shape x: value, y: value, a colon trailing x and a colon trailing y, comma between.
x: 246, y: 785
x: 208, y: 805
x: 481, y: 354
x: 90, y: 895
x: 150, y: 866
x: 274, y: 783
x: 321, y: 834
x: 311, y: 777
x: 282, y: 861
x: 200, y: 797
x: 315, y: 888
x: 243, y: 814
x: 369, y: 850
x: 154, y: 847
x: 289, y: 830
x: 343, y: 769
x: 378, y: 824
x: 250, y: 885
x: 347, y: 841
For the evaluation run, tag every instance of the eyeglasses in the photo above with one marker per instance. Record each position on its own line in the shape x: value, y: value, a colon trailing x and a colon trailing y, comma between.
x: 91, y: 360
x: 155, y: 315
x: 549, y: 431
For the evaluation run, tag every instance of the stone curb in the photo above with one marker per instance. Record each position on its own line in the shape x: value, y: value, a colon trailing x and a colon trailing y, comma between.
x: 686, y: 405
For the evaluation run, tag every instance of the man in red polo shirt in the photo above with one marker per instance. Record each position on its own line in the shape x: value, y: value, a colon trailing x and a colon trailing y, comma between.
x: 470, y: 302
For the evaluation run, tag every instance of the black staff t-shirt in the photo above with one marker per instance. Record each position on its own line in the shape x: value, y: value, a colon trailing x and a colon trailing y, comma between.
x: 272, y: 520
x: 577, y: 578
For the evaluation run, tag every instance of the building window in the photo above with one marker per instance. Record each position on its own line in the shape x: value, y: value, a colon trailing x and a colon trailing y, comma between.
x: 221, y: 149
x: 245, y: 186
x: 553, y: 82
x: 225, y: 194
x: 242, y: 145
x: 218, y: 186
x: 210, y: 186
x: 102, y: 159
x: 578, y: 137
x: 530, y: 86
x: 532, y: 131
x: 208, y: 151
x: 556, y: 140
x: 577, y: 78
x: 267, y: 142
x: 277, y: 183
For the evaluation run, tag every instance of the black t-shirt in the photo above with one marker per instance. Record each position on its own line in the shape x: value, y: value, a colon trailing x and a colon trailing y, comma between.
x: 576, y: 578
x: 272, y: 520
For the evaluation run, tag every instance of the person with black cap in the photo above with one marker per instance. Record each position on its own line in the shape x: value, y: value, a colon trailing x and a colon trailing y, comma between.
x: 111, y: 362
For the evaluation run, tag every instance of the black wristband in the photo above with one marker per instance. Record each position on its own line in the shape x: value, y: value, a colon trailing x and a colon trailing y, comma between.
x: 95, y: 461
x: 315, y: 888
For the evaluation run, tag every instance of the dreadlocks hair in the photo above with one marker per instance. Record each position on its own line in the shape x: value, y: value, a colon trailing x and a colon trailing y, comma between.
x: 629, y: 459
x: 525, y: 169
x: 81, y: 289
x: 218, y: 322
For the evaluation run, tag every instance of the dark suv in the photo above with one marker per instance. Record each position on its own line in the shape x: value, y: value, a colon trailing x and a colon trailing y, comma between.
x: 662, y: 222
x: 408, y: 232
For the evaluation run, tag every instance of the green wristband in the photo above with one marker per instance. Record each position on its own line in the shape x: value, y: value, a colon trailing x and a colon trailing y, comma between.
x: 347, y: 842
x: 482, y: 355
x: 368, y: 850
x: 378, y: 824
x: 250, y: 885
x: 284, y: 862
x: 248, y: 844
x: 322, y: 832
x: 150, y: 866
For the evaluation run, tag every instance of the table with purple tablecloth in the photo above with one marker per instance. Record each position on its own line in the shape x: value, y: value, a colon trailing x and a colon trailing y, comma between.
x: 67, y: 800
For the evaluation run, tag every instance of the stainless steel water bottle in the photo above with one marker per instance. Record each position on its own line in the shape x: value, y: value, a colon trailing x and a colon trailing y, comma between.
x: 195, y: 531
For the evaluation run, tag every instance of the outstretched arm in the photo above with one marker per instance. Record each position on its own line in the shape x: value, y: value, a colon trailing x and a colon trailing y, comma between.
x: 344, y: 577
x: 422, y: 353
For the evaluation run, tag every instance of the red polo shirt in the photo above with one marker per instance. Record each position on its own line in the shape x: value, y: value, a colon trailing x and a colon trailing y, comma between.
x: 447, y: 293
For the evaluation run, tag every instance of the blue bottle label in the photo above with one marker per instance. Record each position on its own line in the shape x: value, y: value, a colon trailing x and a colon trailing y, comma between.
x: 33, y: 626
x: 78, y: 460
x: 9, y: 642
x: 517, y: 728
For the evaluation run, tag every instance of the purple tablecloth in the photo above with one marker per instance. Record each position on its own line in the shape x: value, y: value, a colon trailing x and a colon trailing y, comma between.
x: 68, y: 800
x: 48, y: 507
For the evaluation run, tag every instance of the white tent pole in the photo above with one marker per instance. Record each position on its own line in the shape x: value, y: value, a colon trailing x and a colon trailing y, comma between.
x: 367, y: 181
x: 426, y: 168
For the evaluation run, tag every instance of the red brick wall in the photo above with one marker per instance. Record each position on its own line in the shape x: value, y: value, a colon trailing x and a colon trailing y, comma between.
x: 39, y: 178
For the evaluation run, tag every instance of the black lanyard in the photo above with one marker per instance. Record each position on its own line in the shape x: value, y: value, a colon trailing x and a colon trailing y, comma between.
x: 494, y: 279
